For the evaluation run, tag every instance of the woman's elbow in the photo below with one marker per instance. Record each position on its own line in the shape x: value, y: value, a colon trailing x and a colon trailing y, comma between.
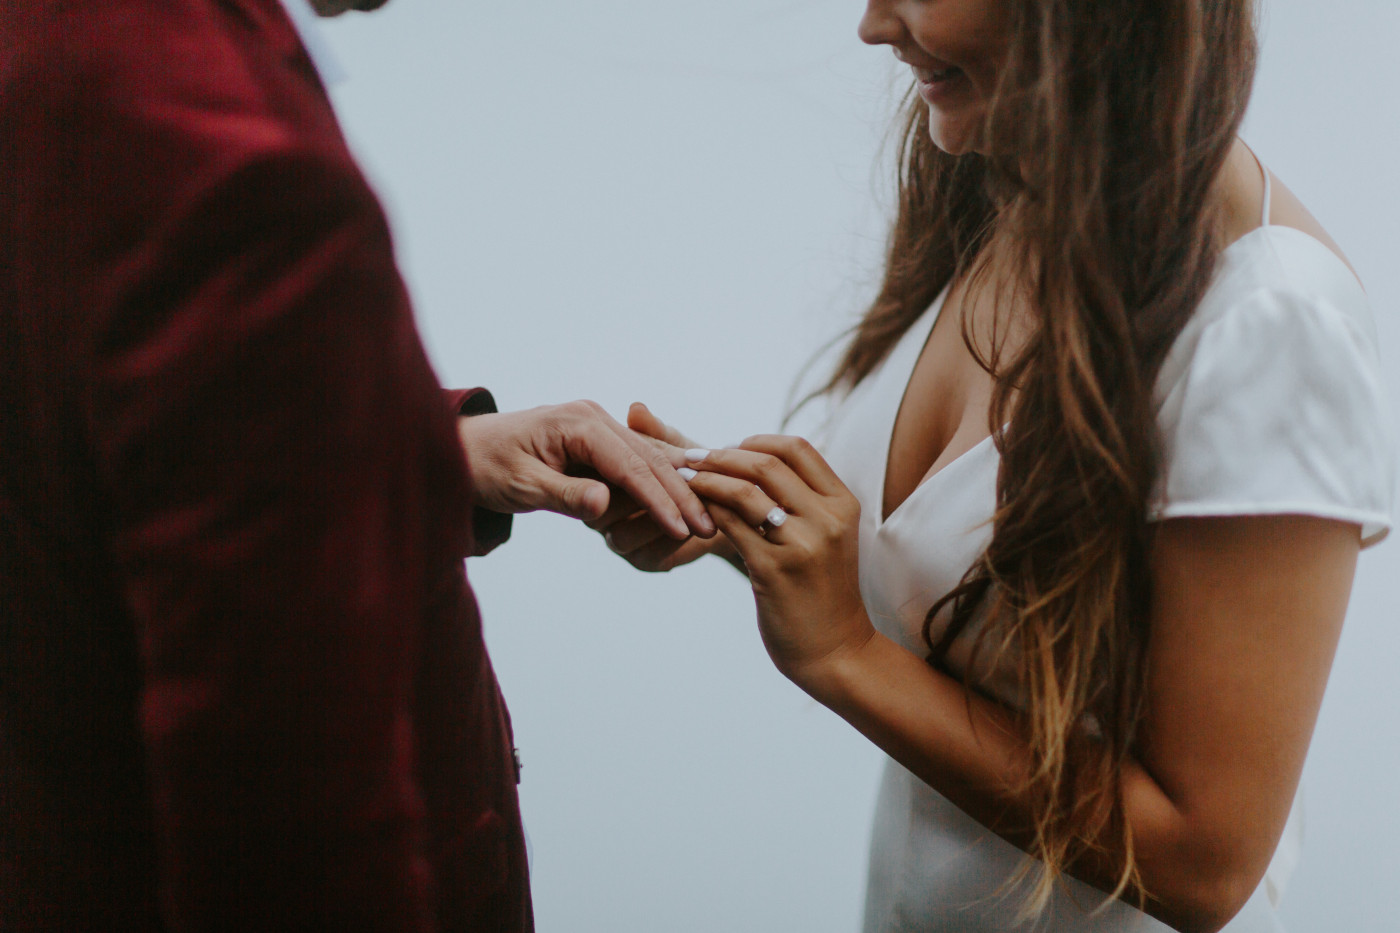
x: 1208, y: 896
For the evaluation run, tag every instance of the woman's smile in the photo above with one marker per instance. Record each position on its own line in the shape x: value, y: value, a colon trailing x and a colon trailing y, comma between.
x: 955, y: 48
x: 939, y: 87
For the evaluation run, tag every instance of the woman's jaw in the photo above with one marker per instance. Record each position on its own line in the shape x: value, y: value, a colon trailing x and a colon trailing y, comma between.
x: 956, y: 108
x: 955, y: 101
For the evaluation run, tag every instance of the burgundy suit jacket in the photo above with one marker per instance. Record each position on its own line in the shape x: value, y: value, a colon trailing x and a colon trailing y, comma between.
x: 242, y: 678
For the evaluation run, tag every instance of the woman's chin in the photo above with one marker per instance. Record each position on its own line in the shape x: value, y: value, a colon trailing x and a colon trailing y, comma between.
x: 953, y: 135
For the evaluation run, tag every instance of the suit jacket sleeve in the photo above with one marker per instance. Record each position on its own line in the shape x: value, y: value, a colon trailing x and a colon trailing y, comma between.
x: 489, y: 529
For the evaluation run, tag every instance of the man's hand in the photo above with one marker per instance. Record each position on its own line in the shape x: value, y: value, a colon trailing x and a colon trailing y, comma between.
x: 528, y: 460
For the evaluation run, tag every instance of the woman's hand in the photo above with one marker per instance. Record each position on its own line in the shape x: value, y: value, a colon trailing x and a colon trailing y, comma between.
x: 633, y: 533
x: 796, y: 527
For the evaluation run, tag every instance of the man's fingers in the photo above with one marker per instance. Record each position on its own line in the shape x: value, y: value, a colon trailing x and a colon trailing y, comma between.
x: 673, y: 446
x: 623, y: 466
x: 620, y: 508
x: 628, y: 460
x: 574, y: 496
x: 663, y: 465
x: 531, y: 460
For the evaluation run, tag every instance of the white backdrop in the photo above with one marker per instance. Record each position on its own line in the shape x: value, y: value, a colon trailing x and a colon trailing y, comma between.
x: 681, y: 202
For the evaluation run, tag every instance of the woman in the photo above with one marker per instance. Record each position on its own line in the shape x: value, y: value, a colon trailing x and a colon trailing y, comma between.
x: 1107, y: 445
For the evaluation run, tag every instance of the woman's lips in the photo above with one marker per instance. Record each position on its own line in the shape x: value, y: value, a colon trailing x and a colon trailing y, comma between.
x: 935, y: 86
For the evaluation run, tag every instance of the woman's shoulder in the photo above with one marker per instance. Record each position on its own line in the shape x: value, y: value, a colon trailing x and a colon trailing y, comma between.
x: 1280, y: 292
x: 1274, y: 244
x: 1279, y: 297
x: 1279, y: 265
x: 1272, y: 399
x: 1278, y: 262
x: 1253, y: 197
x: 1287, y: 212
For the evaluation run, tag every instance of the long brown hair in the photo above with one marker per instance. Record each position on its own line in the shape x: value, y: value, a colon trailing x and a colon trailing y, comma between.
x: 1110, y: 124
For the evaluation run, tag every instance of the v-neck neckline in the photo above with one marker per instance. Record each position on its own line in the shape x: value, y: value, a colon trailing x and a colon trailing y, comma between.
x: 926, y: 326
x: 907, y: 360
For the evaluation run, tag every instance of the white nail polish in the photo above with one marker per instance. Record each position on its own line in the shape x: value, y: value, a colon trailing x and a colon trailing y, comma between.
x: 687, y: 473
x: 696, y: 454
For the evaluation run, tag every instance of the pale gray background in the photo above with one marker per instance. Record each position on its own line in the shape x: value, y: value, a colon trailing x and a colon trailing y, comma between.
x: 680, y: 202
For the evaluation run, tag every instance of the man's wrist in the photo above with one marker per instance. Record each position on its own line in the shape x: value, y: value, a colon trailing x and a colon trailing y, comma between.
x: 490, y: 529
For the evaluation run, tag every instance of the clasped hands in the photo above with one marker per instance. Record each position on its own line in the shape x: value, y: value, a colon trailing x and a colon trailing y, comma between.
x: 803, y: 568
x: 659, y: 500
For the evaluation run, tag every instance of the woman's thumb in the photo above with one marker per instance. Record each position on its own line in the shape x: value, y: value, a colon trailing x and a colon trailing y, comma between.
x: 641, y: 420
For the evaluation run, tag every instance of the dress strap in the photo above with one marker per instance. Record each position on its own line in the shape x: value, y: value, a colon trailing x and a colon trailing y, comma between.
x: 1268, y: 185
x: 1268, y: 193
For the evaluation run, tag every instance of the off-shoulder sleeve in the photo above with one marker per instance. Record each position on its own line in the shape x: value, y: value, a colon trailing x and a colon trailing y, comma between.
x: 1277, y: 406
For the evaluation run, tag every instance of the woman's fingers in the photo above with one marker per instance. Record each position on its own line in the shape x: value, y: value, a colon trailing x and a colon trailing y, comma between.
x: 664, y: 554
x: 629, y: 535
x: 802, y: 458
x: 737, y: 528
x: 741, y: 497
x: 764, y: 470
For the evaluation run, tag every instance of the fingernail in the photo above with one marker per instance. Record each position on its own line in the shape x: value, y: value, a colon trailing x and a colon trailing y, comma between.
x: 707, y: 524
x: 687, y: 473
x: 696, y: 454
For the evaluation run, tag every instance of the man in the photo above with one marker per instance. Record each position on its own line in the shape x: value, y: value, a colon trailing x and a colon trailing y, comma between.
x: 242, y: 680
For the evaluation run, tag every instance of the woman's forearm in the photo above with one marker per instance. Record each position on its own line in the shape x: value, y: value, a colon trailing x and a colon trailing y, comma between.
x: 973, y: 752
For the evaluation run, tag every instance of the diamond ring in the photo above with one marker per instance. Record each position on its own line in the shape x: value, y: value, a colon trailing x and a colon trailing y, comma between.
x: 774, y: 519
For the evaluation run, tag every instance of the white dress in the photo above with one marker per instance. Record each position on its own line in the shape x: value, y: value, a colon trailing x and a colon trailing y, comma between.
x: 1270, y: 402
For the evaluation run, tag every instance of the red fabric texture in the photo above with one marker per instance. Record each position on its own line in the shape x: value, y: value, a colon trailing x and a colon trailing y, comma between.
x: 242, y: 678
